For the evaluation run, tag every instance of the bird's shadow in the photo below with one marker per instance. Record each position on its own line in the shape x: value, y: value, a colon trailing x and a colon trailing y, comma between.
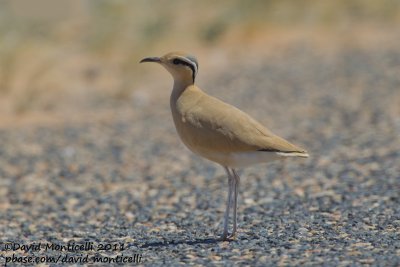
x: 190, y: 242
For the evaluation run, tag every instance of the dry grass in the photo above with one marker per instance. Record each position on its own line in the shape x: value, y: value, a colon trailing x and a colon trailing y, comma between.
x: 81, y: 55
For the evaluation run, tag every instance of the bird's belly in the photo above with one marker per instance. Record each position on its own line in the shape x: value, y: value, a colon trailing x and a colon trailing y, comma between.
x: 239, y: 159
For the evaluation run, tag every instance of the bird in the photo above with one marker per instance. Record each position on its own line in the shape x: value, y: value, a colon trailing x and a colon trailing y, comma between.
x: 219, y: 131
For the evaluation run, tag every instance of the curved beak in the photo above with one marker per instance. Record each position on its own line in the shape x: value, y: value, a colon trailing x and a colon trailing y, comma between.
x: 151, y: 59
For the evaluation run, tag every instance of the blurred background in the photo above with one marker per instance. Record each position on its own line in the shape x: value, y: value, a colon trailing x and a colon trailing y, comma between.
x: 89, y: 150
x: 58, y: 58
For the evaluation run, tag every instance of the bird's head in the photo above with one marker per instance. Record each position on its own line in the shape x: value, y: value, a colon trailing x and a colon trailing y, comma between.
x: 183, y: 67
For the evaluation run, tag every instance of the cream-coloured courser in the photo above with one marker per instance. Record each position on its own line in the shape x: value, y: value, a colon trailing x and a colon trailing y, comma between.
x: 218, y: 131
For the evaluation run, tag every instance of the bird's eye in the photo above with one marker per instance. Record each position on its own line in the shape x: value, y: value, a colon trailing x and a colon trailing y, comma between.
x: 176, y: 61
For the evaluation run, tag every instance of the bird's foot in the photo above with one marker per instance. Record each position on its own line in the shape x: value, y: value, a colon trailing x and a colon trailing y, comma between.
x: 232, y: 236
x: 228, y: 237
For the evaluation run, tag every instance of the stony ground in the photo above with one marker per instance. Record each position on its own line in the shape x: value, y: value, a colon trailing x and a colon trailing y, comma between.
x: 128, y: 180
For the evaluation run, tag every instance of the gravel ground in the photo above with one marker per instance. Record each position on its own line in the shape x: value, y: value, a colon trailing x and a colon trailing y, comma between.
x: 128, y: 180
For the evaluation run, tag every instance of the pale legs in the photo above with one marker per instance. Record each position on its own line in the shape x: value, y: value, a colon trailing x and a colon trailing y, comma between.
x: 236, y: 188
x: 233, y: 182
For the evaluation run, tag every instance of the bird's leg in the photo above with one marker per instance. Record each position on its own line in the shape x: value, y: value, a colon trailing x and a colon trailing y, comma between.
x: 236, y: 190
x: 228, y: 204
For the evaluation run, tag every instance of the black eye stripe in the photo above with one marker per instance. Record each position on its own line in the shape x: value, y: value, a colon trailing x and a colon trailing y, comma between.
x: 193, y: 60
x: 178, y: 61
x: 192, y: 66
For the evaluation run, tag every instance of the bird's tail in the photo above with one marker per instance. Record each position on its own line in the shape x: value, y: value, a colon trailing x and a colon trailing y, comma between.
x: 293, y: 154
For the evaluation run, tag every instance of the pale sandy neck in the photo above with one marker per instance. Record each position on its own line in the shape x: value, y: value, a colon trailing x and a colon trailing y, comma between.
x: 178, y: 89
